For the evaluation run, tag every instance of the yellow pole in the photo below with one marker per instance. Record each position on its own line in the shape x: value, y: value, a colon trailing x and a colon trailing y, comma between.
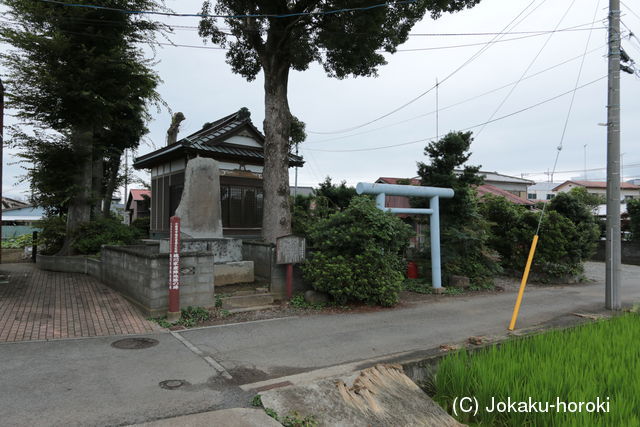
x: 523, y: 284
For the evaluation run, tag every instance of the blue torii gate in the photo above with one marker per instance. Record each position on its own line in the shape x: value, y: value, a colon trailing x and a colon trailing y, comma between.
x: 434, y: 194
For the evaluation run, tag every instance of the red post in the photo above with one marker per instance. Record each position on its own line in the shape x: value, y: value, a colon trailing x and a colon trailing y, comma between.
x: 289, y: 281
x: 174, y: 269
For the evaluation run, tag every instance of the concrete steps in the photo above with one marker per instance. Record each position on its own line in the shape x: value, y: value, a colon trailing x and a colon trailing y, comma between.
x: 245, y: 297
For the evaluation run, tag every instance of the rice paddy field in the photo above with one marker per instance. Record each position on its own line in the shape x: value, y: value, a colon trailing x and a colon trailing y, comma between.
x: 599, y: 360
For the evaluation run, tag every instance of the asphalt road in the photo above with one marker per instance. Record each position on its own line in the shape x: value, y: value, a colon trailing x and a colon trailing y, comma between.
x: 88, y: 382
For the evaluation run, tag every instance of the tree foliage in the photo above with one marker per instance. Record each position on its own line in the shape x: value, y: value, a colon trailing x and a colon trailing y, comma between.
x: 633, y: 209
x: 563, y: 245
x: 464, y: 232
x: 345, y: 44
x: 327, y: 199
x: 358, y: 254
x: 77, y: 72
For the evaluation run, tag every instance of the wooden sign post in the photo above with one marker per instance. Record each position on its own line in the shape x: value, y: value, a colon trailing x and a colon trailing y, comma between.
x: 290, y: 250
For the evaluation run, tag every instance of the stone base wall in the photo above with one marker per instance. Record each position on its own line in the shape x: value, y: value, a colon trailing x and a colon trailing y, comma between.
x: 223, y: 249
x: 263, y: 256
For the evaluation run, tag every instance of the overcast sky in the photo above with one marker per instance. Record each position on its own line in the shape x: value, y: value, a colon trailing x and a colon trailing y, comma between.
x: 199, y: 83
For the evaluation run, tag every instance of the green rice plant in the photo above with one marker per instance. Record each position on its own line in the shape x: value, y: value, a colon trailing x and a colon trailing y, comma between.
x: 598, y: 360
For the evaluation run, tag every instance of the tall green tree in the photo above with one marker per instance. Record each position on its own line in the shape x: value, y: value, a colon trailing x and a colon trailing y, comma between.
x: 464, y: 232
x: 346, y: 44
x: 78, y: 72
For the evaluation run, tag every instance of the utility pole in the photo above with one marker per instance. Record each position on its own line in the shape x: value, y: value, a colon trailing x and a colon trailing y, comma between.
x: 613, y: 247
x: 1, y: 152
x: 295, y: 185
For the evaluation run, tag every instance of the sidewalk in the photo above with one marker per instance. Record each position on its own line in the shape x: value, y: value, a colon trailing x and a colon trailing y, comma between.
x: 44, y: 305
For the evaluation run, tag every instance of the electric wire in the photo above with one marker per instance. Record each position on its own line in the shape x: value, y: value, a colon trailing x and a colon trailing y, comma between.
x: 524, y: 73
x: 630, y: 10
x: 468, y: 61
x: 464, y: 101
x: 467, y: 128
x: 238, y: 16
x: 566, y: 121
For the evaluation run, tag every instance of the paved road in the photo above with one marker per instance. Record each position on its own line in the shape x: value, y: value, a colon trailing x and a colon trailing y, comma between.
x: 88, y: 382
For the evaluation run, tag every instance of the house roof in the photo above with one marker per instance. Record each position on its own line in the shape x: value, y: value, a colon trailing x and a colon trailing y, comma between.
x: 210, y: 142
x: 27, y: 213
x: 485, y: 189
x: 394, y: 181
x: 482, y: 190
x: 137, y: 194
x: 8, y: 203
x: 597, y: 184
x: 498, y: 177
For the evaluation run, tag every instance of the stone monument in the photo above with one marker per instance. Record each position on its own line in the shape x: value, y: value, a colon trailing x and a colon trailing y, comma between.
x: 199, y: 209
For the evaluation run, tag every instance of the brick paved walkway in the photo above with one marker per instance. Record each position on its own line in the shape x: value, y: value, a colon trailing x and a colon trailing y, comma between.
x: 44, y: 305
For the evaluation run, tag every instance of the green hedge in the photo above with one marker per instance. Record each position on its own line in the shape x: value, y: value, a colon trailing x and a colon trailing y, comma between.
x: 358, y: 254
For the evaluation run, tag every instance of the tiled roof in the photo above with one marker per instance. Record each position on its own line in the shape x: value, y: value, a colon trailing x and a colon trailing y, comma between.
x: 394, y: 181
x: 482, y: 190
x: 597, y: 184
x: 485, y: 189
x: 210, y: 140
x: 138, y: 194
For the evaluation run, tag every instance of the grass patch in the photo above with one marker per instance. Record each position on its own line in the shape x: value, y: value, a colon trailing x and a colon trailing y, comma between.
x: 601, y: 359
x: 421, y: 287
x: 191, y: 316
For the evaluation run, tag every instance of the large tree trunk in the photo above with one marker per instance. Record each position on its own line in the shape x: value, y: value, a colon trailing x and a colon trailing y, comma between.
x: 80, y: 204
x: 112, y: 180
x: 96, y: 182
x: 276, y: 218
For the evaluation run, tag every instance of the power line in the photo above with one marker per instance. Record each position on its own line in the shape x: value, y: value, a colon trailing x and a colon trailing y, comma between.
x: 566, y: 121
x: 529, y: 35
x: 468, y: 128
x: 406, y: 104
x: 206, y: 15
x: 457, y: 103
x: 524, y: 73
x: 630, y: 166
x: 630, y: 10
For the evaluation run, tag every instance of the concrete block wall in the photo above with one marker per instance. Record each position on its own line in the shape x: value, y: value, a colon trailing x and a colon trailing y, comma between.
x: 144, y: 278
x: 630, y: 252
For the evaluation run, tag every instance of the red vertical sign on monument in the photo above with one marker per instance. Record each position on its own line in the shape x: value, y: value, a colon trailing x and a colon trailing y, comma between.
x: 174, y: 264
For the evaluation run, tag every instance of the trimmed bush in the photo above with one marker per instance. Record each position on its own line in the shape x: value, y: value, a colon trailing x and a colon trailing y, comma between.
x: 141, y: 227
x: 105, y: 231
x: 54, y: 229
x: 358, y: 254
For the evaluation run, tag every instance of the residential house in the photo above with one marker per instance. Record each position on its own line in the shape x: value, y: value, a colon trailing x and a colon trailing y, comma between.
x: 237, y: 145
x: 8, y: 203
x: 627, y: 190
x: 21, y: 220
x: 138, y: 205
x: 541, y: 191
x: 512, y: 184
